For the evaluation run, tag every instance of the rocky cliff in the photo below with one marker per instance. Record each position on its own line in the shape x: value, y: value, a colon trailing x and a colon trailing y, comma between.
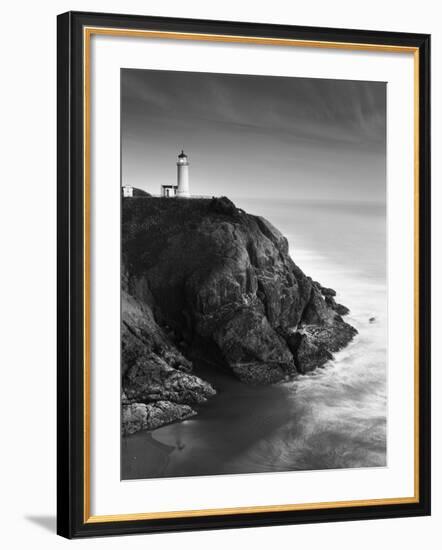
x: 203, y: 279
x: 158, y: 386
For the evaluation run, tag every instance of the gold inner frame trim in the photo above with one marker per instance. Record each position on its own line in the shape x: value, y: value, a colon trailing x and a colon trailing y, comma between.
x: 134, y: 33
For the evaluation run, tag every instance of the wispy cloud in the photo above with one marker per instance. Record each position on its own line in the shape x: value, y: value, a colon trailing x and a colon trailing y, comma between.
x: 330, y: 127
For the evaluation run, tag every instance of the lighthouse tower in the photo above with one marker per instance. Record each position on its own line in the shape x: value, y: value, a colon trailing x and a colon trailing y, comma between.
x: 182, y: 176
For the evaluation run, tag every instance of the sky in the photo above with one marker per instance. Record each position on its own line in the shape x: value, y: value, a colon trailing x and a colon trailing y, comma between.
x: 255, y: 136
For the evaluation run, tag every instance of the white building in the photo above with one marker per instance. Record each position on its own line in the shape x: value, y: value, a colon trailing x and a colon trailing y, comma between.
x: 181, y: 189
x: 182, y: 176
x: 128, y: 191
x: 168, y: 190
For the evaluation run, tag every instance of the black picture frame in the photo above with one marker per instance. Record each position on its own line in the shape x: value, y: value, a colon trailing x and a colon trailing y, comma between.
x: 71, y: 390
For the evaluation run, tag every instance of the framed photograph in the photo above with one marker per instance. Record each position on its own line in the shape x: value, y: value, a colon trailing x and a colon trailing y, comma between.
x: 243, y: 274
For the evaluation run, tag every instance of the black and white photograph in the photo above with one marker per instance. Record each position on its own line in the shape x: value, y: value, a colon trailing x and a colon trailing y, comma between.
x: 222, y: 253
x: 253, y: 283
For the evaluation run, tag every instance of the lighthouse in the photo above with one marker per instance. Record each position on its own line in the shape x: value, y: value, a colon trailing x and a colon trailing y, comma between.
x: 182, y: 176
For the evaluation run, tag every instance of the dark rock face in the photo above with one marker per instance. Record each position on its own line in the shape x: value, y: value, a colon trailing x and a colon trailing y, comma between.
x: 214, y: 281
x: 157, y: 384
x: 152, y: 378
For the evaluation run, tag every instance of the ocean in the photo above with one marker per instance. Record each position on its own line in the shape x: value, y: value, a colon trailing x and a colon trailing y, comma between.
x: 335, y: 417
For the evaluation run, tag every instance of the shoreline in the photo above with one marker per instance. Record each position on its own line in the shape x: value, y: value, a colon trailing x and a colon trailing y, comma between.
x: 207, y: 445
x: 299, y: 436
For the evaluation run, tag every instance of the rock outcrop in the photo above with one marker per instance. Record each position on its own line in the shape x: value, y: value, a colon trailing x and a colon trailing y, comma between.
x: 142, y: 416
x: 158, y: 387
x: 205, y: 279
